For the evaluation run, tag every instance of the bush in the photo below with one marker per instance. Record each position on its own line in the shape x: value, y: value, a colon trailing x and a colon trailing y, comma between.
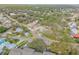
x: 38, y: 45
x: 2, y: 29
x: 77, y: 40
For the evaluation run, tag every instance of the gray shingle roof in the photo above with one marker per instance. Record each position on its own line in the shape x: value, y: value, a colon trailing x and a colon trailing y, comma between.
x: 18, y: 51
x: 28, y: 51
x: 48, y: 53
x: 36, y: 53
x: 15, y: 51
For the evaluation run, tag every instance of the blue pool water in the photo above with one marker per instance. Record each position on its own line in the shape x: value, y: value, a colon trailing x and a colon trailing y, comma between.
x: 2, y: 41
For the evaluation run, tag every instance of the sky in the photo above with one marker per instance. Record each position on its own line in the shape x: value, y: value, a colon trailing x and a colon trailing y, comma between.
x: 39, y: 1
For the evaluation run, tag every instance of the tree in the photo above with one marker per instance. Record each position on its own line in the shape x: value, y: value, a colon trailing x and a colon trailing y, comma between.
x: 62, y: 48
x: 2, y: 29
x: 5, y: 51
x: 38, y: 45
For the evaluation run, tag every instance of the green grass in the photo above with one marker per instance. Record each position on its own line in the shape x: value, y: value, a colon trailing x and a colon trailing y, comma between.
x: 50, y: 36
x: 62, y: 48
x: 12, y: 40
x: 21, y: 44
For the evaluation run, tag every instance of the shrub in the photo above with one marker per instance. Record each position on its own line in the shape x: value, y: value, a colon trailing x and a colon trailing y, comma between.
x: 77, y: 40
x: 2, y: 29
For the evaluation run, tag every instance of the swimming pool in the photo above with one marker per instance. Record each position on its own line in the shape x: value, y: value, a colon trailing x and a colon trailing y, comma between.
x: 2, y: 40
x: 4, y: 43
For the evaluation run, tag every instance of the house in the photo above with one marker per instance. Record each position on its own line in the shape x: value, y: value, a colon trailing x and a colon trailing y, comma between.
x: 12, y: 14
x: 27, y: 51
x: 30, y: 40
x: 37, y: 53
x: 18, y: 29
x: 18, y: 51
x: 48, y: 53
x: 5, y: 21
x: 26, y: 33
x: 15, y: 51
x: 10, y: 46
x: 17, y: 38
x: 7, y: 24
